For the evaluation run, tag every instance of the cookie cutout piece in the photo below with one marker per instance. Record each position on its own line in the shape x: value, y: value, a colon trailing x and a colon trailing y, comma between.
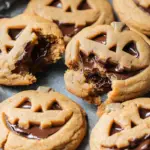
x: 30, y: 43
x: 133, y: 132
x: 33, y: 129
x: 107, y: 59
x: 72, y: 16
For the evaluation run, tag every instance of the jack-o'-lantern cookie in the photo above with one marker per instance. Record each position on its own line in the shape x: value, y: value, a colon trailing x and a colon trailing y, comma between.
x: 135, y: 13
x: 72, y: 15
x: 28, y: 44
x: 41, y: 120
x: 108, y: 58
x: 123, y: 126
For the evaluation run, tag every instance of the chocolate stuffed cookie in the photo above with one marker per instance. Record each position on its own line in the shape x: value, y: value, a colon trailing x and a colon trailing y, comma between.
x: 135, y: 13
x: 41, y: 120
x: 123, y: 126
x: 72, y: 15
x: 28, y: 43
x: 108, y: 59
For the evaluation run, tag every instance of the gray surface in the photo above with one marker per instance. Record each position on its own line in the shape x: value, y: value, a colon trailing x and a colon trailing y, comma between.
x: 54, y: 79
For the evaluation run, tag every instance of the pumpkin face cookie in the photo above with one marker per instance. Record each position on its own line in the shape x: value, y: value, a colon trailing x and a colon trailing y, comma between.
x: 28, y: 44
x: 123, y: 127
x: 72, y: 15
x: 41, y: 120
x: 135, y: 13
x: 107, y: 58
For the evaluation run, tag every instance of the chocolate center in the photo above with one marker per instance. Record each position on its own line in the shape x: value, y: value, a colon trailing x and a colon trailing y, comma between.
x: 14, y: 33
x: 34, y: 132
x: 144, y: 113
x: 137, y: 144
x: 36, y: 56
x: 142, y: 8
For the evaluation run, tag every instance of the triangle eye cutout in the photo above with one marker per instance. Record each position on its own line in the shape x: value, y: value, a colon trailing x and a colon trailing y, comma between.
x: 133, y: 125
x: 115, y: 128
x: 14, y: 33
x: 55, y: 106
x: 84, y: 5
x: 56, y: 3
x: 69, y: 10
x: 25, y: 105
x: 144, y: 113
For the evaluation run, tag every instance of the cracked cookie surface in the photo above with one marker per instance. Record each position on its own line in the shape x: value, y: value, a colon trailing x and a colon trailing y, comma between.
x: 135, y: 13
x: 28, y: 44
x: 107, y: 59
x: 41, y: 120
x: 72, y: 15
x: 123, y: 126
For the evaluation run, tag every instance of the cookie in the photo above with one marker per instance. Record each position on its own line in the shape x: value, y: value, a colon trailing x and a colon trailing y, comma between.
x: 123, y: 126
x: 41, y: 120
x: 107, y: 59
x: 72, y: 15
x: 28, y: 44
x: 135, y: 13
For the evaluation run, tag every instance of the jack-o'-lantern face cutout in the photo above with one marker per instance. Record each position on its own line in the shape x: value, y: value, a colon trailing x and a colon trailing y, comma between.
x: 123, y: 126
x: 72, y: 15
x: 36, y: 115
x: 24, y: 41
x: 101, y: 55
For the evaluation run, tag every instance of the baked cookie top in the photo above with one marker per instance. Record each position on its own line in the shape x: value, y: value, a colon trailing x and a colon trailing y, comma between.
x: 28, y: 43
x: 107, y: 58
x: 41, y: 120
x: 135, y: 13
x: 123, y: 127
x: 72, y: 15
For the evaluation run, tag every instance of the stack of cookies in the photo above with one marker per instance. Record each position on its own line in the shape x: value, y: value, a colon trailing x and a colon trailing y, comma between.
x: 102, y: 56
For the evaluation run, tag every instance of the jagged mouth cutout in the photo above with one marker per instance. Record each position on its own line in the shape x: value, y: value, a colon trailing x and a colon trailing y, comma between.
x: 35, y: 132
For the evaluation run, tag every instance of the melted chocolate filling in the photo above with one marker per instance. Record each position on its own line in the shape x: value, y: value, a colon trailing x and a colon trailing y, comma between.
x: 102, y: 79
x: 69, y: 29
x: 34, y: 132
x: 34, y: 58
x: 137, y: 144
x: 142, y: 8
